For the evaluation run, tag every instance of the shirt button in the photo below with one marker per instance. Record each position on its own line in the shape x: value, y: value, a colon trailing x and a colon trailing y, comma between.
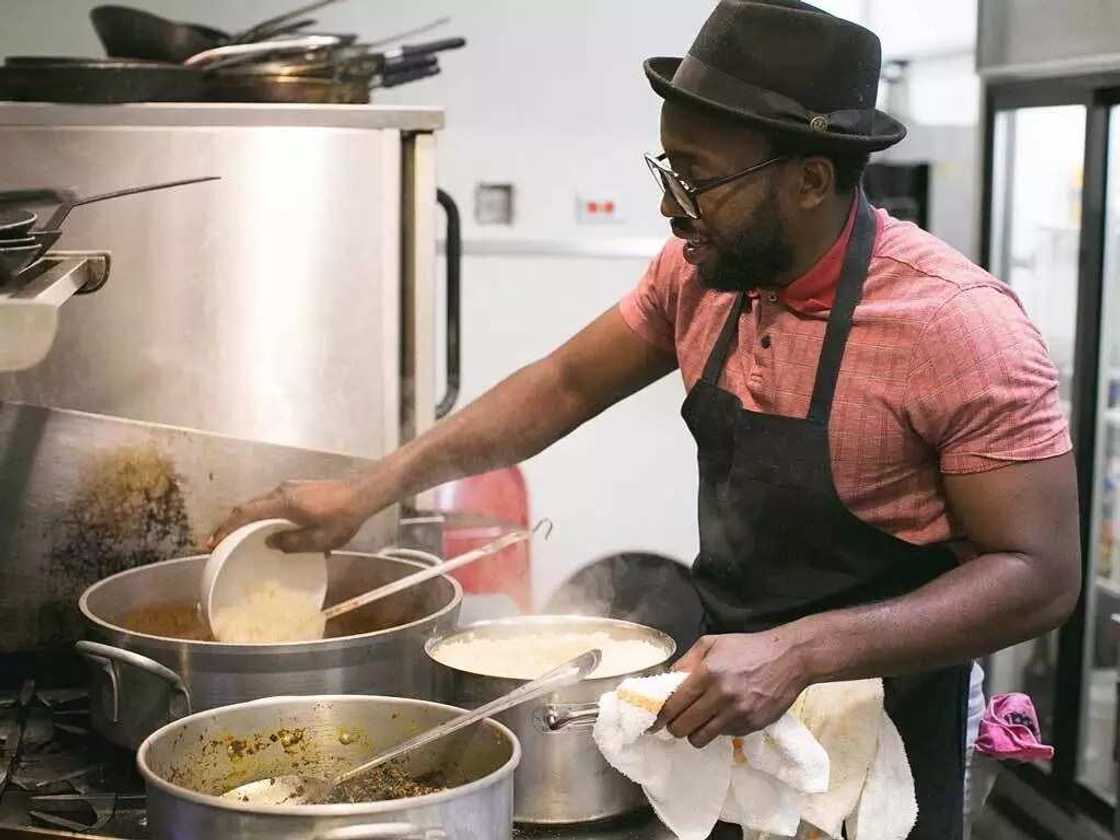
x: 772, y: 297
x: 765, y: 342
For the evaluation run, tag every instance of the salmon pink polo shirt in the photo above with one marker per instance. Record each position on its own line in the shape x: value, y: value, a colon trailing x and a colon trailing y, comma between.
x: 943, y: 371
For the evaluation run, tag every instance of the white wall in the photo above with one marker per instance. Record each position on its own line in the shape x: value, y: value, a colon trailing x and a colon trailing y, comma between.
x: 551, y: 97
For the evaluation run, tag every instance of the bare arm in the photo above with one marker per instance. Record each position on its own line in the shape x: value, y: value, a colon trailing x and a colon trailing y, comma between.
x: 1025, y: 581
x: 514, y: 420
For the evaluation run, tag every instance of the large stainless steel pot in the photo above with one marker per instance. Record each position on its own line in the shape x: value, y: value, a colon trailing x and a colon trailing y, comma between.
x: 142, y: 681
x: 188, y: 763
x: 563, y: 778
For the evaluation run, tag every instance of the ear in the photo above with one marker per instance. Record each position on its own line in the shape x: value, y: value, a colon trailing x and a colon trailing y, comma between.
x: 818, y: 181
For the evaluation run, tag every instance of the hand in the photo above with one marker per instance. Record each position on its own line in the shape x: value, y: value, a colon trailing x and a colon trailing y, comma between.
x: 329, y: 512
x: 737, y: 684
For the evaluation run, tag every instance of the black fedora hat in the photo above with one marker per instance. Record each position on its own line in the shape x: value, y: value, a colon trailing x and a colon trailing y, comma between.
x: 786, y: 67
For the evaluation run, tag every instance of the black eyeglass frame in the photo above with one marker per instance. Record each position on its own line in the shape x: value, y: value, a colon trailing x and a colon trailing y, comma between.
x: 688, y: 192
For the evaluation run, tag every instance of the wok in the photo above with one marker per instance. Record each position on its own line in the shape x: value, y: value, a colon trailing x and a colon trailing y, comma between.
x: 15, y: 223
x: 133, y: 33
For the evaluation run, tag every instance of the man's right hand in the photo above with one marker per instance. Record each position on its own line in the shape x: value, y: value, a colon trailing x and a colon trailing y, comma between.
x: 328, y: 512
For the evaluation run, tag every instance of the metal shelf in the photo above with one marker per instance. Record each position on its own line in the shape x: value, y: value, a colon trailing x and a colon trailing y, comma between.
x: 29, y: 310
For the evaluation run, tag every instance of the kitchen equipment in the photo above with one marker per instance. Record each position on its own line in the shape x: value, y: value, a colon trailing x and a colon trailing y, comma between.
x: 268, y: 28
x: 14, y: 259
x: 126, y: 32
x: 355, y: 350
x: 635, y: 586
x: 186, y: 765
x: 454, y: 564
x: 241, y: 561
x: 142, y: 680
x: 15, y: 223
x: 303, y: 789
x: 59, y: 215
x: 562, y: 778
x: 217, y: 55
x: 99, y: 81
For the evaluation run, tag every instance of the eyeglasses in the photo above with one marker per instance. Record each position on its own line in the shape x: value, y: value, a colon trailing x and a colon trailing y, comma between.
x: 684, y: 192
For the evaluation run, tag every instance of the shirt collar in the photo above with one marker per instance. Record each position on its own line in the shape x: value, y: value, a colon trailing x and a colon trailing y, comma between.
x: 814, y: 291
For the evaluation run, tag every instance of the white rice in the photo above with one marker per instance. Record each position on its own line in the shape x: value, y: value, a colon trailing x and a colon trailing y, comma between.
x: 531, y: 655
x: 269, y: 613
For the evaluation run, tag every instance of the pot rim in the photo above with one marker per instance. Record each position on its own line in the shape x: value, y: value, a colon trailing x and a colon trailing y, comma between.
x: 344, y: 810
x: 262, y: 648
x: 547, y: 621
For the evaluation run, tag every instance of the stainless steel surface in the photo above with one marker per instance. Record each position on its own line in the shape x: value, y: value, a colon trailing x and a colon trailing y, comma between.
x: 220, y: 55
x: 84, y: 496
x: 563, y: 778
x: 108, y: 659
x: 203, y: 115
x: 418, y: 298
x: 266, y: 305
x: 1026, y: 38
x: 302, y: 788
x: 29, y: 314
x: 187, y: 764
x: 385, y: 661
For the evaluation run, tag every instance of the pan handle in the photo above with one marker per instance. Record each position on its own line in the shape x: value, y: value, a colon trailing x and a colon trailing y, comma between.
x: 454, y: 256
x: 378, y: 831
x: 555, y: 717
x: 109, y: 658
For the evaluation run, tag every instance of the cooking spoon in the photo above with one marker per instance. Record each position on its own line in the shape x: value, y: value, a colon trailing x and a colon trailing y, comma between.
x: 310, y: 790
x: 242, y: 561
x: 415, y: 579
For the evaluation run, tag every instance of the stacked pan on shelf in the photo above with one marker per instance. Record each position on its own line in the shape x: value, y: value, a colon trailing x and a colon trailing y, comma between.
x: 152, y: 59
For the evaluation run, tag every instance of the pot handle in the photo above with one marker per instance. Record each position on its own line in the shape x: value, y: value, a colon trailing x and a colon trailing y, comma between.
x: 108, y: 658
x: 555, y: 717
x: 377, y: 831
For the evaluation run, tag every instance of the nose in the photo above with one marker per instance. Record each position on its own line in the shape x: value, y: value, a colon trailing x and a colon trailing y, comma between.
x: 670, y: 207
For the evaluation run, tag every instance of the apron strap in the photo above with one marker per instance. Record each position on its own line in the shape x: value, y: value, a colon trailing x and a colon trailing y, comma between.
x: 714, y: 366
x: 856, y: 260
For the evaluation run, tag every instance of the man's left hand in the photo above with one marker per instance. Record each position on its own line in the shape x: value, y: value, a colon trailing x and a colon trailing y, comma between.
x: 738, y: 684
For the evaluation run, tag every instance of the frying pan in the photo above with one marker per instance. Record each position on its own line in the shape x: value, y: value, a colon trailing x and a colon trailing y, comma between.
x: 98, y: 81
x: 59, y: 215
x: 133, y: 33
x: 15, y: 260
x: 15, y: 223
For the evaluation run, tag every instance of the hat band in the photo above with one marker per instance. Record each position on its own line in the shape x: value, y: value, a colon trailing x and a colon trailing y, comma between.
x: 700, y: 79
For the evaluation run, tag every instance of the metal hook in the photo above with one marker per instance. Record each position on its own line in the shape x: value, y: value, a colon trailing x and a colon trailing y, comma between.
x: 546, y: 523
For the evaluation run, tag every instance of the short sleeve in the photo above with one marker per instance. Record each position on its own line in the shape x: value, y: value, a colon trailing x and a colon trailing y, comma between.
x: 982, y: 390
x: 648, y: 308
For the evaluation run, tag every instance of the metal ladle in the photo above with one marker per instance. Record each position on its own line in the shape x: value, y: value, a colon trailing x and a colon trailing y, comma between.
x: 310, y: 790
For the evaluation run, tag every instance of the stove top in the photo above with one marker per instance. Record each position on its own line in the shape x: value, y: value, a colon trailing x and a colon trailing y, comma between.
x: 56, y: 775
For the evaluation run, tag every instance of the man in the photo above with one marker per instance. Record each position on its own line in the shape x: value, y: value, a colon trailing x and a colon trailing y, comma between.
x: 886, y: 485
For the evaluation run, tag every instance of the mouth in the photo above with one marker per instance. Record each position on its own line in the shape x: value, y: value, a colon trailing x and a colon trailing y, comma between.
x: 697, y: 248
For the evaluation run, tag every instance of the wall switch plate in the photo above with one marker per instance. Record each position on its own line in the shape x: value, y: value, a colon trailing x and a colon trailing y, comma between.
x: 493, y: 204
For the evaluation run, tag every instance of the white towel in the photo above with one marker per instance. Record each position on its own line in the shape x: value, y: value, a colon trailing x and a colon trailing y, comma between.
x: 774, y: 783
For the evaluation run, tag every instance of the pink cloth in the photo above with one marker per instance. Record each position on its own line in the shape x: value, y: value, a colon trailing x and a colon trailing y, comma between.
x: 943, y: 372
x: 1009, y: 731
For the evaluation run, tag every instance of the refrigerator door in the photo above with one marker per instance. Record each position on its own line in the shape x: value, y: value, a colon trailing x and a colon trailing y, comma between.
x: 1097, y: 757
x: 1036, y: 219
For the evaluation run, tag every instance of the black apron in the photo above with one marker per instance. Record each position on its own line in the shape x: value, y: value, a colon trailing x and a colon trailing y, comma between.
x: 778, y: 544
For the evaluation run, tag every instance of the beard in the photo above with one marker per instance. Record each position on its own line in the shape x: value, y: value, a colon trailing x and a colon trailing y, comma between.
x: 760, y: 254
